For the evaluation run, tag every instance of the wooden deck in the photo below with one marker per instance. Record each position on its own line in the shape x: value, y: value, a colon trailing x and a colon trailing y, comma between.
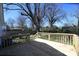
x: 33, y: 48
x: 68, y: 50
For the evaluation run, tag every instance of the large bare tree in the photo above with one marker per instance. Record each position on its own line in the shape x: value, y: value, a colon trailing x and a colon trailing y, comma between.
x: 54, y: 13
x: 35, y: 12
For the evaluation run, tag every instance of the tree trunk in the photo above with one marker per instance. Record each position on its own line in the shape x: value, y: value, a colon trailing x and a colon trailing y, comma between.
x: 50, y: 27
x: 38, y: 28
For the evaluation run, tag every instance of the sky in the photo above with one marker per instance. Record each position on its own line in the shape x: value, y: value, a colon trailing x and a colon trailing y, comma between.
x: 68, y: 8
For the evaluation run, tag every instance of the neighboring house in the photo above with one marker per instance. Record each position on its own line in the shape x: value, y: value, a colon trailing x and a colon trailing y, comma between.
x: 69, y: 29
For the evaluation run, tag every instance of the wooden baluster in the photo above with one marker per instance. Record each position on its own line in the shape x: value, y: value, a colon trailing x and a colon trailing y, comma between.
x: 70, y: 40
x: 52, y: 37
x: 56, y: 37
x: 48, y: 36
x: 60, y: 38
x: 65, y: 39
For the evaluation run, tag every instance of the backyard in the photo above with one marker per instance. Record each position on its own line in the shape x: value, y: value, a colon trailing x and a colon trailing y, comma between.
x: 39, y: 29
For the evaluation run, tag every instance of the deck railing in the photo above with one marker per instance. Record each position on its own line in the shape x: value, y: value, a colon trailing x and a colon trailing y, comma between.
x: 65, y: 38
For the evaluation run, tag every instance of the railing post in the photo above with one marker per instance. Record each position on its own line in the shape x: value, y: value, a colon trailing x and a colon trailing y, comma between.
x: 76, y: 43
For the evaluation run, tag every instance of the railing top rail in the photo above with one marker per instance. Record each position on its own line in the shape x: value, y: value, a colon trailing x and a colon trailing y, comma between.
x: 56, y: 33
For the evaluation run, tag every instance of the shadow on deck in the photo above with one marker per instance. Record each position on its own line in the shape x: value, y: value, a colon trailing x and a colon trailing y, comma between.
x: 30, y: 49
